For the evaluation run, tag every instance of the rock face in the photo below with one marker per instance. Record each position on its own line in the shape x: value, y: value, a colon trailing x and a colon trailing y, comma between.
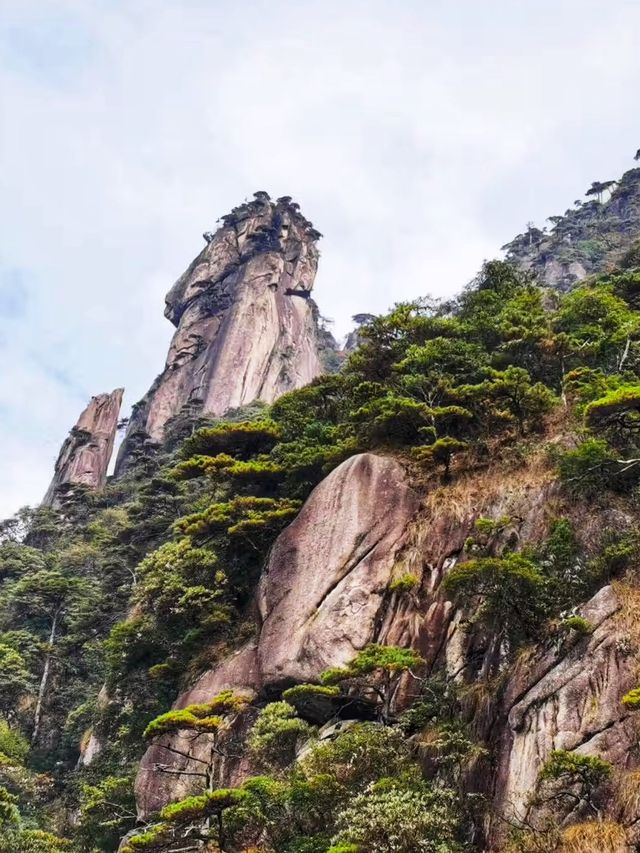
x: 246, y: 326
x: 569, y: 698
x: 592, y: 237
x: 86, y: 452
x: 321, y: 597
x: 324, y: 594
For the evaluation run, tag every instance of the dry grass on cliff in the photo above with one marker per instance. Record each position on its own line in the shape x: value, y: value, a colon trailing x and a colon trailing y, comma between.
x: 501, y: 482
x: 594, y: 837
x: 625, y: 793
x: 626, y: 619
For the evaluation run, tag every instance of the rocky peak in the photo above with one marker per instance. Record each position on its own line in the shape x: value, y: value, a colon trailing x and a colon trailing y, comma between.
x: 354, y: 338
x: 591, y: 237
x: 85, y: 454
x: 245, y: 324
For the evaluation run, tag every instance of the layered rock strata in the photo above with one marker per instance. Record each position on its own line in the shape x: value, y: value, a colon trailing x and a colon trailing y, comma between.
x: 246, y: 326
x: 84, y: 457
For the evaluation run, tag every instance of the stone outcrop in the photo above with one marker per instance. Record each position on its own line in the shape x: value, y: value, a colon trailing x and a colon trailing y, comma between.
x: 324, y: 594
x: 590, y: 238
x: 321, y: 598
x: 568, y: 698
x: 84, y: 457
x: 246, y: 326
x: 354, y: 338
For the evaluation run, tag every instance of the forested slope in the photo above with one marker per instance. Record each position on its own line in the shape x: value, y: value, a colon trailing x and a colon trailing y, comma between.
x: 394, y: 610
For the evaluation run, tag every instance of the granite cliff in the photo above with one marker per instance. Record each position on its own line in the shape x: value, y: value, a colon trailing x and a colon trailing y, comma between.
x: 393, y: 609
x: 246, y: 327
x: 84, y: 457
x: 591, y: 237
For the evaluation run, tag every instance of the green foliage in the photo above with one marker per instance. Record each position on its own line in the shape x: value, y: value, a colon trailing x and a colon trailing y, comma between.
x: 314, y: 702
x: 107, y: 813
x: 593, y: 468
x: 13, y: 744
x: 33, y: 841
x: 360, y: 755
x: 9, y: 813
x: 391, y: 419
x: 587, y: 770
x: 441, y: 452
x: 509, y: 587
x: 400, y: 820
x: 374, y: 658
x: 183, y: 584
x: 15, y: 679
x: 242, y: 440
x: 260, y: 470
x: 631, y: 699
x: 211, y: 803
x: 276, y: 733
x: 597, y: 324
x: 618, y: 412
x: 404, y: 583
x: 578, y: 624
x: 244, y: 518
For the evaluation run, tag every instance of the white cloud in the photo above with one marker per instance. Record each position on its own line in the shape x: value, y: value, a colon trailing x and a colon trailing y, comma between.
x: 418, y: 136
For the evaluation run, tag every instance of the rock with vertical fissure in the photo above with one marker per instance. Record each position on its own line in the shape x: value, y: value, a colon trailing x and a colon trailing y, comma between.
x: 246, y: 326
x: 320, y: 600
x: 84, y: 457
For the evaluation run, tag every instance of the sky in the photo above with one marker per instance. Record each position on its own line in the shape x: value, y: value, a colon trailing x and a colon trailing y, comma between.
x: 418, y: 135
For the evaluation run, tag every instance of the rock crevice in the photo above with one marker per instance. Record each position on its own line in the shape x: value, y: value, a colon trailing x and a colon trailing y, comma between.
x: 246, y: 327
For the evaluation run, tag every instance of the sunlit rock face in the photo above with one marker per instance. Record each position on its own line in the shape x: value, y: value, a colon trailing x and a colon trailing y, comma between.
x: 84, y: 457
x: 246, y: 326
x: 570, y: 699
x: 322, y: 597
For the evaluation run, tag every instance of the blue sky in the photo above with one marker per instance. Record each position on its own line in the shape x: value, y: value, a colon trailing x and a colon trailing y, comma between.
x: 418, y: 135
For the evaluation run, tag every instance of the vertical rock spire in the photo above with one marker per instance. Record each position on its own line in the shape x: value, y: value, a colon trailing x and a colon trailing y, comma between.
x: 246, y: 326
x: 84, y: 457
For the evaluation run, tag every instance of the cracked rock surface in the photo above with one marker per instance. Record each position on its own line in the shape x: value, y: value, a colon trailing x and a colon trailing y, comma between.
x: 84, y: 457
x: 246, y: 327
x: 321, y: 598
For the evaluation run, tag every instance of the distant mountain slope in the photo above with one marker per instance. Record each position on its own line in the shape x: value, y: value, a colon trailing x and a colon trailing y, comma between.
x: 591, y: 237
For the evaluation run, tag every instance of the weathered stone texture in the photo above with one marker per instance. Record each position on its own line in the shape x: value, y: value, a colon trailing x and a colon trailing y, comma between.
x: 246, y: 326
x: 321, y: 597
x: 324, y: 594
x: 84, y: 457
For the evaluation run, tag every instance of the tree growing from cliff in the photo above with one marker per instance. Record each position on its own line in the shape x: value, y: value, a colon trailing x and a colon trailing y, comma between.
x: 211, y: 722
x: 198, y: 819
x: 598, y: 188
x: 573, y: 778
x: 509, y: 591
x: 377, y: 671
x: 50, y: 599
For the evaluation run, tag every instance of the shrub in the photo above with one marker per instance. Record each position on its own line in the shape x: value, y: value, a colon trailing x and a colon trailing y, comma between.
x: 578, y: 624
x: 590, y: 469
x: 400, y: 821
x: 243, y: 440
x: 276, y: 732
x: 511, y: 589
x: 631, y: 699
x: 589, y: 770
x: 405, y: 583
